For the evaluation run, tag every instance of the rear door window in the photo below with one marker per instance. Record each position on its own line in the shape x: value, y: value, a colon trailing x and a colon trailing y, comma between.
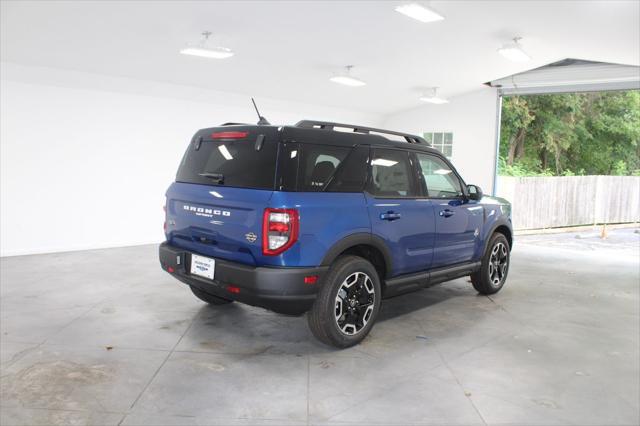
x: 234, y: 163
x: 391, y: 174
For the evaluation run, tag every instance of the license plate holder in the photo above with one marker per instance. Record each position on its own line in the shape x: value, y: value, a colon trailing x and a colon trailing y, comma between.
x: 203, y: 266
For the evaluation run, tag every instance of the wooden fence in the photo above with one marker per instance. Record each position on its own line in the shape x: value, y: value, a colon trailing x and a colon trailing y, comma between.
x: 550, y: 202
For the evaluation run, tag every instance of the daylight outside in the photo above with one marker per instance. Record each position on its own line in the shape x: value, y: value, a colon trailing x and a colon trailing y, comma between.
x: 577, y: 151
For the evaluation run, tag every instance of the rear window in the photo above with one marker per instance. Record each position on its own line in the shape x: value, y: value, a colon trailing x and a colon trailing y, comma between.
x: 234, y: 163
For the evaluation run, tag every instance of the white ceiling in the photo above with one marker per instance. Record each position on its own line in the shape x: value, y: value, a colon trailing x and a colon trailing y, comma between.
x: 288, y: 50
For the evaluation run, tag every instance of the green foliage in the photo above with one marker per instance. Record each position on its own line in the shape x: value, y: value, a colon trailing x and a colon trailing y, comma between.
x: 520, y: 169
x: 571, y: 134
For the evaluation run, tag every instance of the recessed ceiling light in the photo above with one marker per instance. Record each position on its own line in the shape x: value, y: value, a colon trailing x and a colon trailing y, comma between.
x: 204, y: 51
x: 347, y: 79
x: 419, y: 12
x: 513, y: 51
x: 432, y: 98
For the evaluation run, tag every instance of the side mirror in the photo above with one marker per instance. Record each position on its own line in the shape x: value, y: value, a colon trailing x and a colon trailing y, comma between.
x: 474, y: 192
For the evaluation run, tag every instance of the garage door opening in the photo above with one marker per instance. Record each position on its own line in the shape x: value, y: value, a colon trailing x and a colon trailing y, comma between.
x: 568, y: 150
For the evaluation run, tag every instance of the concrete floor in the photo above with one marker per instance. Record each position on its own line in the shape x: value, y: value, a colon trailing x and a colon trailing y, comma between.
x: 105, y: 337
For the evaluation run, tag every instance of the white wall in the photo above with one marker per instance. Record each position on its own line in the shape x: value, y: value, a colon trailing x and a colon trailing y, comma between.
x: 472, y: 119
x: 86, y: 159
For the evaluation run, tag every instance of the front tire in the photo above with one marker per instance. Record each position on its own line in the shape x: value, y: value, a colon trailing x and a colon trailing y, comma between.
x: 495, y: 266
x: 347, y: 304
x: 209, y: 298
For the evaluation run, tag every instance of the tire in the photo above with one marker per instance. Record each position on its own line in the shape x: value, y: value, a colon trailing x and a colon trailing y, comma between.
x: 209, y: 298
x: 495, y: 266
x: 354, y: 279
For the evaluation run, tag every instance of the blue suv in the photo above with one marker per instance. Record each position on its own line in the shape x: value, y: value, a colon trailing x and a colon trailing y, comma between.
x: 329, y: 219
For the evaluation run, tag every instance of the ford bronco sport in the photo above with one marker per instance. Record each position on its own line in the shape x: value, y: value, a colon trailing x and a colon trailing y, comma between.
x: 327, y: 218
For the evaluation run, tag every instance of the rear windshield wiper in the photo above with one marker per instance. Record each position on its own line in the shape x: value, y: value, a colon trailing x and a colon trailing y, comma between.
x: 216, y: 176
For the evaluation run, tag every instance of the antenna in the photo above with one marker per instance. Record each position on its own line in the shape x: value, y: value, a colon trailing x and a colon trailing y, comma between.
x: 261, y: 120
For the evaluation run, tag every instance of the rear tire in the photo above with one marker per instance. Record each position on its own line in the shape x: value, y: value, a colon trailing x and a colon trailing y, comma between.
x: 347, y: 304
x: 495, y: 266
x: 209, y: 298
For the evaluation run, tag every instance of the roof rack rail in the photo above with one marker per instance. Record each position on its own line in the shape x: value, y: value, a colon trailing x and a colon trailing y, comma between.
x: 327, y: 125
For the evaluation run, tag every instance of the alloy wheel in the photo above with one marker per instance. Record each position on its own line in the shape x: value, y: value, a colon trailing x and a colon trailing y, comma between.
x: 354, y: 303
x: 498, y: 263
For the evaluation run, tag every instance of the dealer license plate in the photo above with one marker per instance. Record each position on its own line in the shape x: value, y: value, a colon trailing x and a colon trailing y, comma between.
x: 203, y: 266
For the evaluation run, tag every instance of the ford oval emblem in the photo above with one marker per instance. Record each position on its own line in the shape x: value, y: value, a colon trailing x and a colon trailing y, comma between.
x: 251, y: 237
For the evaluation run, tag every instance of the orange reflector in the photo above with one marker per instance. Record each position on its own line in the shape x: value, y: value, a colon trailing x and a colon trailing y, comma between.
x: 233, y: 289
x: 311, y: 279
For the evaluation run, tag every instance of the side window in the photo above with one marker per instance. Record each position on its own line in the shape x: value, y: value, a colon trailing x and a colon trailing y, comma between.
x: 350, y: 177
x: 289, y: 157
x: 318, y: 165
x: 440, y: 180
x: 391, y: 174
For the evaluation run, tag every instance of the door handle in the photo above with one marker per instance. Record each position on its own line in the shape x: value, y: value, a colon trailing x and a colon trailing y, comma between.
x: 390, y: 215
x: 446, y: 213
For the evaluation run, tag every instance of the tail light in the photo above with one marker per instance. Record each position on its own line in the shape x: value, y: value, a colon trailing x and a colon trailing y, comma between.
x: 279, y: 230
x: 165, y: 217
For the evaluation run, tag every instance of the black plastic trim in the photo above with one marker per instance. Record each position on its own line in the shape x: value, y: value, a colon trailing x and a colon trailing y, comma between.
x: 358, y: 239
x: 278, y: 289
x: 411, y: 282
x: 499, y: 222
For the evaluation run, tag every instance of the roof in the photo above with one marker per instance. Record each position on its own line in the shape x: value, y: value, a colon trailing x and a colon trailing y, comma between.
x: 309, y: 131
x: 570, y: 75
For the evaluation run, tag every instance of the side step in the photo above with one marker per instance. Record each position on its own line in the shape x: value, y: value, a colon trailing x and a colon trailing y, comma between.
x: 411, y: 282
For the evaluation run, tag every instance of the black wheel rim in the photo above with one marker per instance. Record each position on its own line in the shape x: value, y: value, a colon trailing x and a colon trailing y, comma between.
x: 498, y: 264
x: 354, y: 303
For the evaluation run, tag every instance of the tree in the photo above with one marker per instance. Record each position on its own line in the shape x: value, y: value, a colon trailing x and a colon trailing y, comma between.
x: 516, y: 117
x: 573, y: 133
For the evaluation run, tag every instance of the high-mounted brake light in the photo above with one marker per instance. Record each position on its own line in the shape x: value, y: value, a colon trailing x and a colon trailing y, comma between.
x: 279, y: 230
x: 229, y: 135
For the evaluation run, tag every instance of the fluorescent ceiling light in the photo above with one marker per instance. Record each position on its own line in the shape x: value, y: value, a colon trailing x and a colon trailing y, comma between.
x: 347, y: 79
x: 201, y: 49
x: 514, y: 52
x: 383, y: 162
x: 208, y: 52
x: 434, y: 100
x: 419, y: 12
x: 431, y: 97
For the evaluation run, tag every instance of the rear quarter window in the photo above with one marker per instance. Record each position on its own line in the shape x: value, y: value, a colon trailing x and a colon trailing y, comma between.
x: 309, y: 167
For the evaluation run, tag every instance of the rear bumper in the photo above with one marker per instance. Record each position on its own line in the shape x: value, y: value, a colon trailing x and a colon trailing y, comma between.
x: 278, y: 289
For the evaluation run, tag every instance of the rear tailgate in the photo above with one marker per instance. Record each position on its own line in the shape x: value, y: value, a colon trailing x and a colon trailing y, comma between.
x: 223, y: 185
x: 216, y: 221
